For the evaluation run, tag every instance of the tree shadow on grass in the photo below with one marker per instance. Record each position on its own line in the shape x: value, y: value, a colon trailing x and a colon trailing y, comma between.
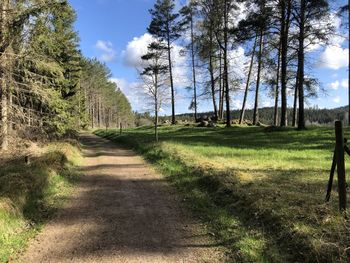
x: 29, y: 187
x: 122, y: 212
x: 261, y: 209
x: 258, y: 207
x: 237, y: 137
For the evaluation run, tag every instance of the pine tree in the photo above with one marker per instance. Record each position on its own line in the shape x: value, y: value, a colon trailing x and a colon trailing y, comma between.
x: 307, y: 16
x: 188, y: 12
x: 208, y: 50
x: 222, y: 10
x: 165, y: 26
x: 152, y: 77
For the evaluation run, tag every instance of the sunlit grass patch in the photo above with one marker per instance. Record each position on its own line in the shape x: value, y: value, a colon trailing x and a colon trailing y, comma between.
x: 261, y: 193
x: 29, y: 194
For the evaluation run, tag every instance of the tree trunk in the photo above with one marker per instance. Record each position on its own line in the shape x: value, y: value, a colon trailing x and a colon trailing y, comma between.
x: 227, y: 87
x: 212, y: 79
x: 275, y: 118
x: 3, y: 83
x: 10, y: 111
x: 295, y: 104
x: 301, y: 57
x: 193, y: 70
x: 4, y: 115
x: 92, y: 108
x: 156, y: 107
x: 256, y: 105
x: 285, y: 19
x: 173, y: 119
x: 241, y: 118
x: 98, y: 112
x: 222, y: 89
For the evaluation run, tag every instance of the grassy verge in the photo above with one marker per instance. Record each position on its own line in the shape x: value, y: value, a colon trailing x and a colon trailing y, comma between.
x: 30, y: 194
x: 259, y: 192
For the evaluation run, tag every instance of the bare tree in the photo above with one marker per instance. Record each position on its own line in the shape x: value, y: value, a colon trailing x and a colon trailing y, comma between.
x: 153, y: 77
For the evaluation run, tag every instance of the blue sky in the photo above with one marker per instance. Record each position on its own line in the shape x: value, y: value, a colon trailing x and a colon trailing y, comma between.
x: 114, y: 32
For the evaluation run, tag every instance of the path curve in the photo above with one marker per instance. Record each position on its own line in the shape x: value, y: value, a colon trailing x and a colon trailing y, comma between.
x: 121, y: 211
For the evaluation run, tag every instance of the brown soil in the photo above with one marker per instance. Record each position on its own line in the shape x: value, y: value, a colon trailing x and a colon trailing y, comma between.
x: 122, y: 211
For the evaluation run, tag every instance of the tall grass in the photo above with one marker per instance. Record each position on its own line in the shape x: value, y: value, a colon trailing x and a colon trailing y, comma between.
x: 261, y: 193
x: 30, y: 194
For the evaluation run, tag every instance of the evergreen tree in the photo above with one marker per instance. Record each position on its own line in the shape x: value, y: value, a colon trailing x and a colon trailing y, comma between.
x: 189, y: 12
x: 165, y: 26
x: 41, y: 71
x: 152, y: 77
x: 308, y: 15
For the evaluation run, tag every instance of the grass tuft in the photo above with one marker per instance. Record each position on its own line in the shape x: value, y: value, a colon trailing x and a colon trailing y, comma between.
x: 30, y: 194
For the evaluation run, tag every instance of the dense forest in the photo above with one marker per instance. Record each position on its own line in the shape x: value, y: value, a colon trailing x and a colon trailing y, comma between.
x: 47, y: 87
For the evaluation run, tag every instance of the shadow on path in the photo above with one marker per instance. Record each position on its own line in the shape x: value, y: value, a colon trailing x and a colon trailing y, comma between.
x: 122, y: 211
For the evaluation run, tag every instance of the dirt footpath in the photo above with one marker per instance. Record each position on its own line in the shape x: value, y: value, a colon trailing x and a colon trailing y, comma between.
x: 122, y: 211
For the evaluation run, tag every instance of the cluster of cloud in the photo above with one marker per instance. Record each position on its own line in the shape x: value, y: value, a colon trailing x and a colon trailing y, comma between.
x: 336, y: 99
x: 334, y: 56
x: 132, y: 90
x: 108, y: 52
x: 337, y: 84
x: 136, y: 48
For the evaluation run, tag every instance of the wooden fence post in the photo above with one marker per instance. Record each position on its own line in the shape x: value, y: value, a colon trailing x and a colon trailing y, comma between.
x: 339, y: 151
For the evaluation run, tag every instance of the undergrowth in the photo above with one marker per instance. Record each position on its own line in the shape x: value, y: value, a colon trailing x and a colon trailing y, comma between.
x: 31, y: 193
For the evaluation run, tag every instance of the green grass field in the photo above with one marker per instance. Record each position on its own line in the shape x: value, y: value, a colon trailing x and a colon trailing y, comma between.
x: 260, y: 193
x: 30, y: 194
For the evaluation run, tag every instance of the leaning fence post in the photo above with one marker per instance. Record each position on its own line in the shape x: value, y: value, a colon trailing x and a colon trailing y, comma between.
x: 339, y: 151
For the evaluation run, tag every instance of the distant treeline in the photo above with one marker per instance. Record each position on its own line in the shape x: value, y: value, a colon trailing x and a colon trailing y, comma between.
x: 313, y: 116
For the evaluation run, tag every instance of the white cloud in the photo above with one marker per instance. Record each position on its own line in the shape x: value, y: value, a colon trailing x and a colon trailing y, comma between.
x: 108, y: 52
x: 267, y: 103
x: 131, y: 90
x: 337, y: 84
x: 236, y: 104
x: 237, y: 60
x: 334, y: 57
x: 345, y: 83
x: 181, y: 78
x: 138, y: 47
x: 336, y: 99
x: 135, y: 49
x: 334, y: 85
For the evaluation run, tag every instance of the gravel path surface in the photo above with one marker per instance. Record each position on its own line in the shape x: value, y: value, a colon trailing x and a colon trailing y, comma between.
x: 121, y: 211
